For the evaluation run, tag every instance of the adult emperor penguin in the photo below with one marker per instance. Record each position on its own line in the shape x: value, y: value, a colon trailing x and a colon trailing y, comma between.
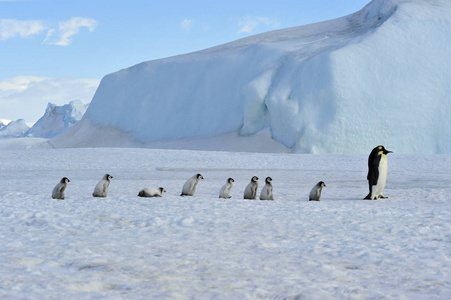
x: 225, y: 190
x: 101, y: 189
x: 377, y: 172
x: 266, y: 193
x: 151, y: 192
x: 250, y: 192
x: 315, y: 193
x: 58, y: 190
x: 190, y: 185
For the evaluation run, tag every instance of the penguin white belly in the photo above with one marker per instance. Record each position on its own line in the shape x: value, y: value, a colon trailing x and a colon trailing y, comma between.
x: 189, y: 187
x: 225, y: 191
x: 266, y: 193
x: 379, y: 187
x: 251, y: 191
x: 58, y: 191
x: 315, y: 193
x: 101, y: 189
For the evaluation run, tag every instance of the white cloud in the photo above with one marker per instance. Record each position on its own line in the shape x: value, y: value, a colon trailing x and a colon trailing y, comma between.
x: 10, y: 28
x: 19, y: 83
x: 250, y: 24
x: 66, y: 30
x: 26, y: 97
x: 186, y: 24
x: 61, y: 36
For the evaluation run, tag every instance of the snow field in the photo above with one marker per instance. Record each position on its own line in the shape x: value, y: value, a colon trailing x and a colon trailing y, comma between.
x: 204, y: 247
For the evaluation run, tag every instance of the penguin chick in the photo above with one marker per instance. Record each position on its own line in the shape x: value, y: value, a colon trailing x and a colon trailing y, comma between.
x: 151, y: 192
x: 190, y: 185
x: 58, y: 190
x: 101, y: 189
x: 250, y: 192
x: 315, y: 193
x: 266, y: 193
x: 225, y: 190
x: 377, y: 172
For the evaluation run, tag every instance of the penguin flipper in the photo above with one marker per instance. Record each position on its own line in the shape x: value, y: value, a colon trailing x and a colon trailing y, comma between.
x: 373, y: 170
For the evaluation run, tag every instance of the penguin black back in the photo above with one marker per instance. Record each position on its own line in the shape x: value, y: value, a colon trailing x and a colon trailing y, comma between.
x: 373, y: 166
x: 373, y: 163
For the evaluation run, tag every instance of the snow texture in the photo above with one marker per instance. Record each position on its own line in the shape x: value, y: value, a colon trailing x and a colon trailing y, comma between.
x: 203, y: 247
x: 378, y: 76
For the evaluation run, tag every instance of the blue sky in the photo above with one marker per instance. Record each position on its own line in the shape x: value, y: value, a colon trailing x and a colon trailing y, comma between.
x: 42, y: 39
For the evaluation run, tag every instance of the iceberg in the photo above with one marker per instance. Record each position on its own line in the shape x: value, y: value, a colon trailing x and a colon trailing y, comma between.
x: 57, y: 119
x: 378, y: 76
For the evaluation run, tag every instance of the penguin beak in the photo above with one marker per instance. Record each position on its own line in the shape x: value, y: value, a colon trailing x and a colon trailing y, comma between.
x: 388, y: 151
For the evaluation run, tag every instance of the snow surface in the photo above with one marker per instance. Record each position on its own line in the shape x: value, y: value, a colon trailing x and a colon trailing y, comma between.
x: 379, y: 76
x: 203, y: 247
x: 23, y: 143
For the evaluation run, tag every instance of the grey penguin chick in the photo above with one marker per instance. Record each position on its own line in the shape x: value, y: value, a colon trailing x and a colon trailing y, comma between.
x: 266, y: 193
x: 58, y: 190
x: 250, y: 192
x: 225, y: 190
x: 151, y: 192
x: 101, y: 189
x: 315, y: 193
x: 190, y: 185
x: 377, y: 172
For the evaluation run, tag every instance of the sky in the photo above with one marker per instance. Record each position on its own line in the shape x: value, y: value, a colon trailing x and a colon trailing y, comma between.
x: 58, y: 51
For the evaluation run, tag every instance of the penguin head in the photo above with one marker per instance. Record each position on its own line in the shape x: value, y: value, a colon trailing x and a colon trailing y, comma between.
x: 108, y: 177
x: 268, y: 179
x: 230, y: 180
x: 254, y: 179
x: 65, y: 180
x: 162, y: 190
x: 381, y: 150
x: 321, y: 184
x: 199, y: 176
